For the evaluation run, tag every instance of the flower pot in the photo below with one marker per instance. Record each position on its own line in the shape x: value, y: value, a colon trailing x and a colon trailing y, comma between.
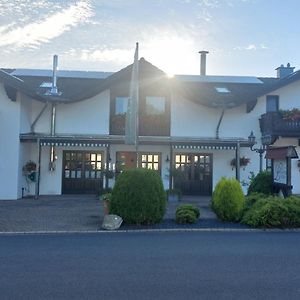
x: 105, y: 207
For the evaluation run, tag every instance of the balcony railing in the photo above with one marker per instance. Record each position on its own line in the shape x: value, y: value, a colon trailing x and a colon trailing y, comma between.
x: 273, y: 124
x: 149, y: 125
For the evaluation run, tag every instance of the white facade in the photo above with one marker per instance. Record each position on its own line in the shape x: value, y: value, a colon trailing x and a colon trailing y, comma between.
x: 91, y: 117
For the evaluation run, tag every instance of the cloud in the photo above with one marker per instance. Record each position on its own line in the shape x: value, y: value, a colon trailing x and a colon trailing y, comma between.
x: 46, y: 29
x: 252, y: 47
x: 105, y: 55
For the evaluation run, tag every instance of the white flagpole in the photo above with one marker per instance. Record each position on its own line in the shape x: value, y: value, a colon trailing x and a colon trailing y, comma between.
x: 136, y: 58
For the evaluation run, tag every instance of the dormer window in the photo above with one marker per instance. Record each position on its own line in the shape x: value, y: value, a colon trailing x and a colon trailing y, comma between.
x: 272, y: 103
x: 222, y: 89
x: 155, y: 105
x: 121, y: 105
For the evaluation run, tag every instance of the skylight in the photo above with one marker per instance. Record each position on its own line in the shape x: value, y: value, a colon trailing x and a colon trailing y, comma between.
x: 222, y: 89
x: 46, y: 85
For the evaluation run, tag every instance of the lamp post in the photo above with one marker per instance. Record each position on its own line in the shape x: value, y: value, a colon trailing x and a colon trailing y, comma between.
x: 260, y: 151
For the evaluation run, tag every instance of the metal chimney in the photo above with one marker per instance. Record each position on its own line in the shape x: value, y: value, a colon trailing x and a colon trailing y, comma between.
x: 203, y: 62
x: 54, y: 90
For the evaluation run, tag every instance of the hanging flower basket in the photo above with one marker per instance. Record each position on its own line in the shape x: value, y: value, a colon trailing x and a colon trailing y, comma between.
x: 244, y: 161
x: 30, y: 166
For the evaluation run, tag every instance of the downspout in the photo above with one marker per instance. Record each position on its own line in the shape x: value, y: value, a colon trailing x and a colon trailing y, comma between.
x: 38, y: 117
x: 220, y: 120
x: 52, y: 133
x: 53, y: 113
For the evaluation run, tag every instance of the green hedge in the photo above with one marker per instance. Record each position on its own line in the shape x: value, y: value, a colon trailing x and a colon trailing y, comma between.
x: 139, y: 197
x: 228, y: 200
x: 273, y: 212
x: 261, y: 183
x: 187, y: 213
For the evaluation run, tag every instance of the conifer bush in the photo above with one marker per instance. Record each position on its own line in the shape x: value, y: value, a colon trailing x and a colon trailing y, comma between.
x: 139, y: 197
x: 228, y: 200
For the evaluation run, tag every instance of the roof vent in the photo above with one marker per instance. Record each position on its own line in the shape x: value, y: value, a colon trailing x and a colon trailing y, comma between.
x: 283, y: 71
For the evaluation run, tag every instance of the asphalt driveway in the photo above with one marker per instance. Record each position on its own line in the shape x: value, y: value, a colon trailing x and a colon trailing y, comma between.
x: 73, y: 213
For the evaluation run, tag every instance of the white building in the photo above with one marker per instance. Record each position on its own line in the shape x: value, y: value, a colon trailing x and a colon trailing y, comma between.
x: 199, y: 123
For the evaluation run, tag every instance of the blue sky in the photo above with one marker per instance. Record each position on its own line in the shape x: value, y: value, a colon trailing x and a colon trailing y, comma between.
x: 244, y: 37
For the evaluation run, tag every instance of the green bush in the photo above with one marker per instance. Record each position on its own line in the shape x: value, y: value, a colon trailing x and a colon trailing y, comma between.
x: 228, y: 200
x: 292, y: 204
x: 190, y: 207
x: 187, y: 213
x: 261, y: 183
x: 139, y: 197
x: 274, y: 212
x: 251, y: 199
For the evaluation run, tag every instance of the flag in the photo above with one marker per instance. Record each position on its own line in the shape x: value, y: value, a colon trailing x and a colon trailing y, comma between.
x: 131, y: 126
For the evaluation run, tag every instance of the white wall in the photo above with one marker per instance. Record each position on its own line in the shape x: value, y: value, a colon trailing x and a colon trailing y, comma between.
x: 9, y: 146
x: 90, y: 116
x: 196, y: 120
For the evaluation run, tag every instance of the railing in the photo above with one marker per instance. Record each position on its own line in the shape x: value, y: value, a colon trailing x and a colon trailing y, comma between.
x: 272, y: 123
x: 149, y: 125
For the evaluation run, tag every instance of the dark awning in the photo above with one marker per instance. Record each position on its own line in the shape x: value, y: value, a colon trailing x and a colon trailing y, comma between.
x: 281, y: 152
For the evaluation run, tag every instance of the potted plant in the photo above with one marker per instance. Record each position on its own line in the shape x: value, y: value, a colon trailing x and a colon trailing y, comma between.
x: 105, y: 198
x: 290, y: 114
x: 109, y: 174
x: 29, y: 170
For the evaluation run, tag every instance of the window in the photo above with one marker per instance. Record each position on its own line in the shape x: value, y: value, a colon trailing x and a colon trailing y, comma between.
x: 155, y: 105
x: 272, y: 103
x: 222, y: 89
x: 121, y: 105
x: 150, y: 161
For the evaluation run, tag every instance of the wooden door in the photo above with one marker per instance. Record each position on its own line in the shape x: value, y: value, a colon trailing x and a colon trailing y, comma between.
x: 82, y: 172
x: 196, y: 177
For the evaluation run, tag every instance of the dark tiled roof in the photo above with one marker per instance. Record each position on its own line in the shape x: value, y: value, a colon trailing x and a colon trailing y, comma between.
x: 200, y: 89
x: 207, y: 94
x: 279, y: 83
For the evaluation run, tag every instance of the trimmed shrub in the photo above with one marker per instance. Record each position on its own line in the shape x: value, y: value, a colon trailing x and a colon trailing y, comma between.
x: 274, y: 212
x: 190, y: 207
x: 261, y: 183
x: 139, y: 197
x: 186, y: 216
x: 228, y: 200
x: 187, y: 213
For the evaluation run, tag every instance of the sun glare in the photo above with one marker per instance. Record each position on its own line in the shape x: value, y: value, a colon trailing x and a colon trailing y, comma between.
x: 174, y: 55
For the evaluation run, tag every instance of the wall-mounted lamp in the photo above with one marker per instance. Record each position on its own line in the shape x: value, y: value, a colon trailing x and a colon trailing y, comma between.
x: 167, y: 159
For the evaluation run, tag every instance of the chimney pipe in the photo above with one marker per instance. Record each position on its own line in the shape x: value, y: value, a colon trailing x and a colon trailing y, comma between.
x: 203, y: 62
x: 54, y: 90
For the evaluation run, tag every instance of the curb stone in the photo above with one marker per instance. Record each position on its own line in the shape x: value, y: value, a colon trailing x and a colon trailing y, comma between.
x: 9, y: 233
